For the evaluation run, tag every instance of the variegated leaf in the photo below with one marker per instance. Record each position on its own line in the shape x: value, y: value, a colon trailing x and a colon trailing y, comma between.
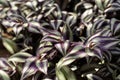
x: 56, y: 24
x: 87, y: 15
x: 20, y: 57
x: 42, y: 65
x: 115, y: 27
x: 69, y: 18
x: 63, y: 47
x: 71, y: 57
x: 53, y: 36
x: 104, y: 42
x: 29, y: 68
x: 6, y: 66
x: 34, y: 27
x: 114, y: 6
x: 106, y: 3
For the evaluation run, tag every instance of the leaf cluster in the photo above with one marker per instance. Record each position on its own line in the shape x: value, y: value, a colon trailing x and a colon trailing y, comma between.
x: 59, y: 40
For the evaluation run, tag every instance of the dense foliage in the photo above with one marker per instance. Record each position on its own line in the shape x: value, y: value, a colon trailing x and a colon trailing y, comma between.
x: 59, y: 39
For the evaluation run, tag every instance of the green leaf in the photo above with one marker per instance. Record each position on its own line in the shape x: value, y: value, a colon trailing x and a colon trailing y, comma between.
x: 4, y: 2
x: 87, y: 15
x: 4, y: 75
x: 50, y: 11
x: 64, y: 62
x: 19, y: 57
x: 99, y: 4
x: 10, y: 45
x: 106, y: 2
x: 30, y: 5
x: 60, y: 75
x: 71, y: 19
x: 65, y: 74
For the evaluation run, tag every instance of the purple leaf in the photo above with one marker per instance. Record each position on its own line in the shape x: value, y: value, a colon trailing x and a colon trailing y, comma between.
x: 6, y: 66
x: 98, y: 52
x: 29, y: 68
x: 42, y: 65
x: 56, y: 24
x: 63, y: 47
x: 73, y: 55
x: 101, y: 41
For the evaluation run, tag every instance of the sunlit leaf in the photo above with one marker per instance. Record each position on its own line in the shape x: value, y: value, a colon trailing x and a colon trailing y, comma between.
x: 34, y: 27
x: 42, y: 65
x: 71, y: 57
x: 29, y: 68
x: 106, y: 2
x: 7, y: 66
x: 4, y: 75
x: 87, y: 15
x: 63, y: 47
x: 99, y: 4
x: 10, y: 45
x: 19, y: 57
x: 65, y: 74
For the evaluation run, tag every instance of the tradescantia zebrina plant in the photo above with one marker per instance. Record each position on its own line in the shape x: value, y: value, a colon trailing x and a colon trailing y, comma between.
x: 59, y: 40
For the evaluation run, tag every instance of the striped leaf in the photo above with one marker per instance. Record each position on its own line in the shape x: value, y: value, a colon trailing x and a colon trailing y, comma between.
x: 100, y: 43
x: 44, y: 47
x: 20, y: 57
x: 69, y: 18
x: 6, y: 66
x: 76, y: 52
x: 63, y: 47
x: 106, y: 3
x: 52, y: 36
x: 104, y: 42
x: 56, y: 24
x: 114, y: 6
x: 34, y: 27
x: 87, y: 15
x: 42, y: 66
x: 29, y: 68
x: 115, y: 27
